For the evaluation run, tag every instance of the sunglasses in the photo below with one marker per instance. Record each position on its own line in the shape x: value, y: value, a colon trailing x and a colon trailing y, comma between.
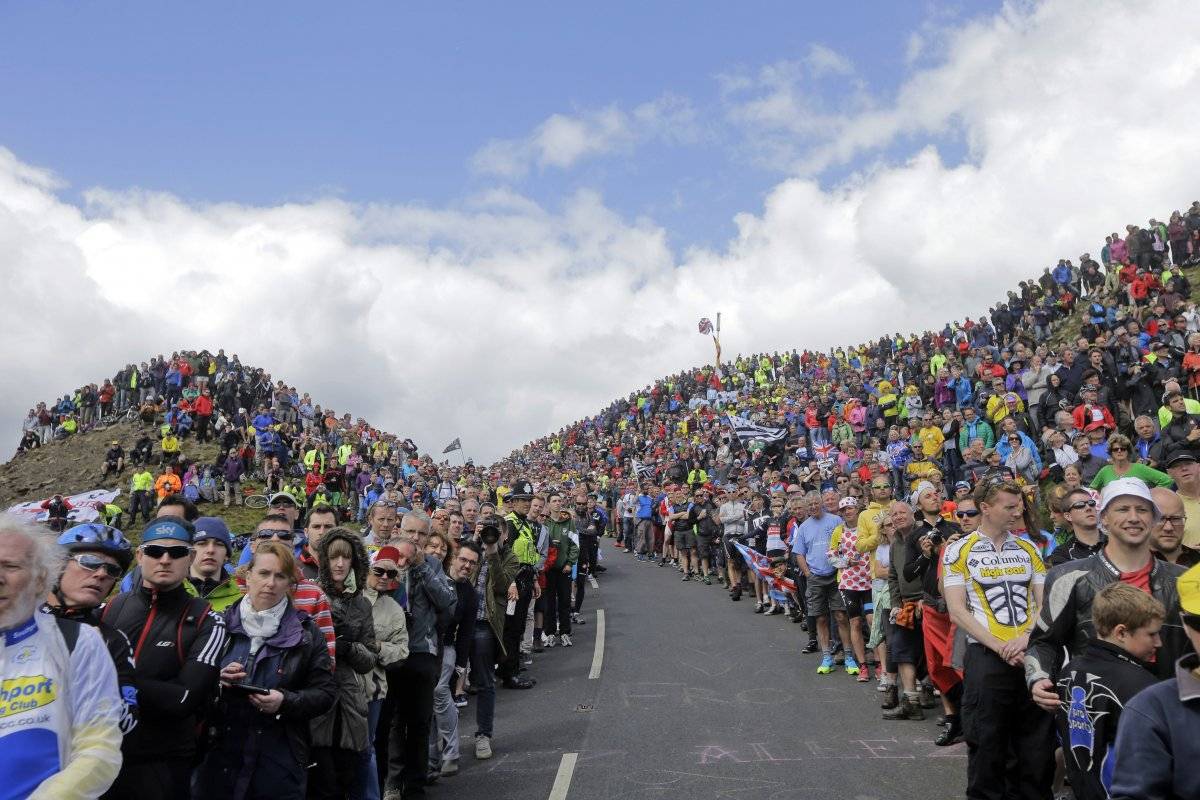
x: 380, y: 572
x: 966, y: 514
x: 1119, y: 449
x: 174, y: 552
x: 283, y: 536
x: 1078, y: 504
x: 92, y: 562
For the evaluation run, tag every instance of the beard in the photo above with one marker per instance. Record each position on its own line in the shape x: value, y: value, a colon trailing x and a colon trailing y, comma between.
x: 21, y: 609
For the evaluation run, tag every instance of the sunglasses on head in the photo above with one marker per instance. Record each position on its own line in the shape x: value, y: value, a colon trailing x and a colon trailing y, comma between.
x: 174, y: 552
x: 1078, y: 504
x: 283, y: 536
x: 967, y: 514
x: 92, y: 562
x: 380, y: 572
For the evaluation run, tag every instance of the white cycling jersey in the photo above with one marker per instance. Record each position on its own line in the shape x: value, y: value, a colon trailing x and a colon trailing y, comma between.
x: 60, y: 713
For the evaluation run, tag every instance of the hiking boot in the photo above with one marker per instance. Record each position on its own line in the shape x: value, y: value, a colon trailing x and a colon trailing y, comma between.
x: 826, y: 665
x: 890, y: 697
x: 483, y: 747
x: 907, y: 708
x: 927, y: 699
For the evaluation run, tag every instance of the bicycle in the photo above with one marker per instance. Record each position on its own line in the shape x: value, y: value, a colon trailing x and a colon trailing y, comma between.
x: 251, y: 499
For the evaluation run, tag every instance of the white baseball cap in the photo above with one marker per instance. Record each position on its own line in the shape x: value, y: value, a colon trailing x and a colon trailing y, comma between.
x: 1127, y: 487
x: 847, y: 502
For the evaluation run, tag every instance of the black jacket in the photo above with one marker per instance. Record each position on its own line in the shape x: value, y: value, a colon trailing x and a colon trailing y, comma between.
x: 119, y: 650
x: 1073, y: 550
x: 251, y: 753
x: 1094, y: 689
x: 177, y: 644
x: 1065, y: 618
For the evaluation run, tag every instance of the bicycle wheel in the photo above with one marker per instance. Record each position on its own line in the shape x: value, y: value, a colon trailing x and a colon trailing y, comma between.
x: 256, y: 501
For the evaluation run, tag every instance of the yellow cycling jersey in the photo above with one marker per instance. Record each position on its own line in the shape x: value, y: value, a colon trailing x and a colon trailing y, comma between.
x: 998, y: 582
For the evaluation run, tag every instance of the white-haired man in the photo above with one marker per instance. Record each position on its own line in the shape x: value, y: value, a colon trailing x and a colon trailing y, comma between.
x: 60, y: 699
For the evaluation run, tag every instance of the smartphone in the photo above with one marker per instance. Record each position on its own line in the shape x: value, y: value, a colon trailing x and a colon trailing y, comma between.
x: 245, y: 688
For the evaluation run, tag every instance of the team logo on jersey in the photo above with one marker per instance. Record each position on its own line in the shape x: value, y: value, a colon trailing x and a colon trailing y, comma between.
x: 25, y: 654
x: 18, y: 695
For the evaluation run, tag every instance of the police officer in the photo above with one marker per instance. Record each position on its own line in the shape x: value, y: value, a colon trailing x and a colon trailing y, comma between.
x: 521, y: 538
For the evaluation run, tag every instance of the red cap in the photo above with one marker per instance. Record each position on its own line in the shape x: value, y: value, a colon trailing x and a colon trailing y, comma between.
x: 387, y: 553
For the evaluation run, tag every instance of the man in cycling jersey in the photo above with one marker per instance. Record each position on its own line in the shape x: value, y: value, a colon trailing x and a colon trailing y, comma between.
x: 62, y: 737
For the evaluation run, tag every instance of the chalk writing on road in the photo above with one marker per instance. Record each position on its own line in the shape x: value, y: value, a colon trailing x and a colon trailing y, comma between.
x: 783, y: 751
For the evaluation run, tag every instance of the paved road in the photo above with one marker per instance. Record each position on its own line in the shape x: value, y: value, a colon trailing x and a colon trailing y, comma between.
x: 697, y: 698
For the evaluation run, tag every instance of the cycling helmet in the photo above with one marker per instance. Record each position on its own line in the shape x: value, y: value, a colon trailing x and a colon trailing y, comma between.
x: 93, y: 537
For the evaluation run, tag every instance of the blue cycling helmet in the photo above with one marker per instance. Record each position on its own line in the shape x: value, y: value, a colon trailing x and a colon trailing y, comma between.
x: 91, y: 537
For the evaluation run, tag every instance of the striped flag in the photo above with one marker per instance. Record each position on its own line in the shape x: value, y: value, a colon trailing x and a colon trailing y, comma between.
x: 642, y: 471
x: 748, y: 431
x: 455, y: 445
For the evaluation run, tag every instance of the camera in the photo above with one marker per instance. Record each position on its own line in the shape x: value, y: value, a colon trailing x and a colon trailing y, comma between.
x: 489, y: 533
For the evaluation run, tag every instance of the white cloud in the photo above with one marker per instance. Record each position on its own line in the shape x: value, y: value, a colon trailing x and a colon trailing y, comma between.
x: 824, y: 60
x: 563, y: 140
x: 499, y: 319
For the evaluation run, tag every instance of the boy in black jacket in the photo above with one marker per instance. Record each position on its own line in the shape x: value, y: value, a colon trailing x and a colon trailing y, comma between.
x: 1096, y: 684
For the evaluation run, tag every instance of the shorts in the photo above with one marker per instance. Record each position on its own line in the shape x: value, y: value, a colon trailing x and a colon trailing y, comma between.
x: 858, y: 602
x: 684, y: 540
x: 703, y: 546
x: 905, y: 645
x: 823, y: 595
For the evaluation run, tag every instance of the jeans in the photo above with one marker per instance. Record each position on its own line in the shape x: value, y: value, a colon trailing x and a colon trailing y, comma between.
x: 443, y: 728
x: 408, y: 740
x: 557, y: 596
x: 483, y: 674
x: 368, y: 777
x: 645, y: 537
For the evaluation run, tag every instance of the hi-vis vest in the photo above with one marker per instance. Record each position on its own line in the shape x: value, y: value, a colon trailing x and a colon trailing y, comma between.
x: 525, y: 545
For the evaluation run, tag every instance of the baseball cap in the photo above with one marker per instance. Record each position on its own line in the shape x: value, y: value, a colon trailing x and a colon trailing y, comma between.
x: 1188, y: 586
x: 275, y: 498
x: 387, y: 553
x: 963, y: 485
x: 847, y: 502
x: 1179, y: 455
x: 1126, y: 487
x: 175, y: 528
x: 213, y: 528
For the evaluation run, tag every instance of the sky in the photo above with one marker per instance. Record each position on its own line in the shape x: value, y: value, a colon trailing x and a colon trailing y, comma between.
x: 486, y: 222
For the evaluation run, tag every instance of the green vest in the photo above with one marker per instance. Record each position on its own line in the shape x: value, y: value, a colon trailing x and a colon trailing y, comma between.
x: 525, y: 545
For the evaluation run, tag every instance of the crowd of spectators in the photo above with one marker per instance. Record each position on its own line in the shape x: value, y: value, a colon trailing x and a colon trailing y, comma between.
x: 944, y: 514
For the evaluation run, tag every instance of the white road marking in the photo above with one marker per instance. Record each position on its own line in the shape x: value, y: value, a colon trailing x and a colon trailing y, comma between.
x: 566, y: 768
x: 598, y: 653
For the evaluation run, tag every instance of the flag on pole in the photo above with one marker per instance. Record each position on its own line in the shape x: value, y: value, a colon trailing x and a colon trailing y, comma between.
x: 748, y: 431
x: 455, y: 445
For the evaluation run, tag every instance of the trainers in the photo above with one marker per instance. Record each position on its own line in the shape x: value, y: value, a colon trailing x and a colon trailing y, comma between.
x: 707, y: 580
x: 641, y: 557
x: 687, y: 576
x: 577, y: 618
x: 449, y: 767
x: 864, y: 676
x: 826, y: 665
x: 566, y: 640
x: 460, y: 700
x: 879, y: 673
x: 549, y: 640
x: 483, y: 747
x: 851, y: 666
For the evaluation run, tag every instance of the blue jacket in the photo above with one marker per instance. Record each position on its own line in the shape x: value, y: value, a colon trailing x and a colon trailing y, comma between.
x: 1003, y: 448
x: 1157, y: 746
x: 1062, y: 274
x: 964, y: 395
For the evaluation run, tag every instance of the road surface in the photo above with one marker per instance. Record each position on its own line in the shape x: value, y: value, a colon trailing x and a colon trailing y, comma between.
x: 695, y: 697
